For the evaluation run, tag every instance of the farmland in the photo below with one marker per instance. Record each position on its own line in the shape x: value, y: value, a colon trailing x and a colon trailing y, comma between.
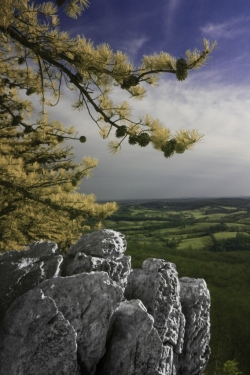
x: 184, y: 224
x: 205, y: 238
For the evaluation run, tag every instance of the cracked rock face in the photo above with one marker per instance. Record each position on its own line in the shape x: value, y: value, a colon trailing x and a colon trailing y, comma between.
x: 195, y: 300
x: 118, y: 269
x: 87, y: 301
x: 134, y: 346
x: 38, y: 339
x: 157, y: 286
x: 21, y: 271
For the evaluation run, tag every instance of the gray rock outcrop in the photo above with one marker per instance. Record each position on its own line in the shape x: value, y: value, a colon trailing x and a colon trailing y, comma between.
x: 157, y: 286
x: 87, y: 301
x: 38, y: 339
x: 195, y: 301
x: 133, y: 344
x: 105, y: 243
x: 88, y: 313
x: 102, y: 250
x: 21, y: 271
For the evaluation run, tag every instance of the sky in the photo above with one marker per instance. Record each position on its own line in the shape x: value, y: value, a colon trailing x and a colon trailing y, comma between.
x: 214, y: 100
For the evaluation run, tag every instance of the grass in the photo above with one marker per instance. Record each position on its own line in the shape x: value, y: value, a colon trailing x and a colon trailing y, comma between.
x: 224, y: 235
x: 195, y: 243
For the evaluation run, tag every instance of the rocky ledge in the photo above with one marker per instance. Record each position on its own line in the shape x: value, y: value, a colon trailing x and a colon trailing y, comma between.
x: 88, y: 313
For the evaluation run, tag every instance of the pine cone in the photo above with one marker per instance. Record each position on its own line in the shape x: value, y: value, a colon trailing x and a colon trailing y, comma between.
x: 60, y: 138
x: 132, y: 80
x: 169, y: 148
x: 121, y: 131
x: 82, y: 139
x: 132, y: 139
x: 143, y: 139
x: 181, y: 69
x: 179, y: 148
x: 30, y: 91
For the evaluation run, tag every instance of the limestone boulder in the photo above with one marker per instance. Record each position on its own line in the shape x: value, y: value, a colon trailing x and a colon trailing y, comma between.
x: 104, y: 243
x: 37, y: 339
x: 157, y: 286
x: 87, y: 301
x: 195, y: 300
x: 118, y: 269
x: 133, y: 346
x: 102, y: 250
x: 21, y: 271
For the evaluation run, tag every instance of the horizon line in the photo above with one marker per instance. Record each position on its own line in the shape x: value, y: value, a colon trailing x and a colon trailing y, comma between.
x: 176, y: 198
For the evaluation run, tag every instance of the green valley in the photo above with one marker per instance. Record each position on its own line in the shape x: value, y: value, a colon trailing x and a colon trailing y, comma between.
x: 205, y: 238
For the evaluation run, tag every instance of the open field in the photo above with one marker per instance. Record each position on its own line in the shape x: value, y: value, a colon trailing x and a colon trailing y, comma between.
x: 222, y: 235
x: 203, y: 221
x: 206, y: 239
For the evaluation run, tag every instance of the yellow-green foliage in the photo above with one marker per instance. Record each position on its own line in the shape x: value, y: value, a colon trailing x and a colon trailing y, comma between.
x: 39, y: 179
x: 231, y: 368
x: 37, y: 56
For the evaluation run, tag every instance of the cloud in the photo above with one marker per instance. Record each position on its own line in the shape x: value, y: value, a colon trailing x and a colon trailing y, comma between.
x: 229, y: 29
x: 132, y: 46
x: 172, y: 6
x: 218, y: 166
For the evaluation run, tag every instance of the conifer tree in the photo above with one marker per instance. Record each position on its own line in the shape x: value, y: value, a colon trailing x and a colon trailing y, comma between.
x: 39, y: 178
